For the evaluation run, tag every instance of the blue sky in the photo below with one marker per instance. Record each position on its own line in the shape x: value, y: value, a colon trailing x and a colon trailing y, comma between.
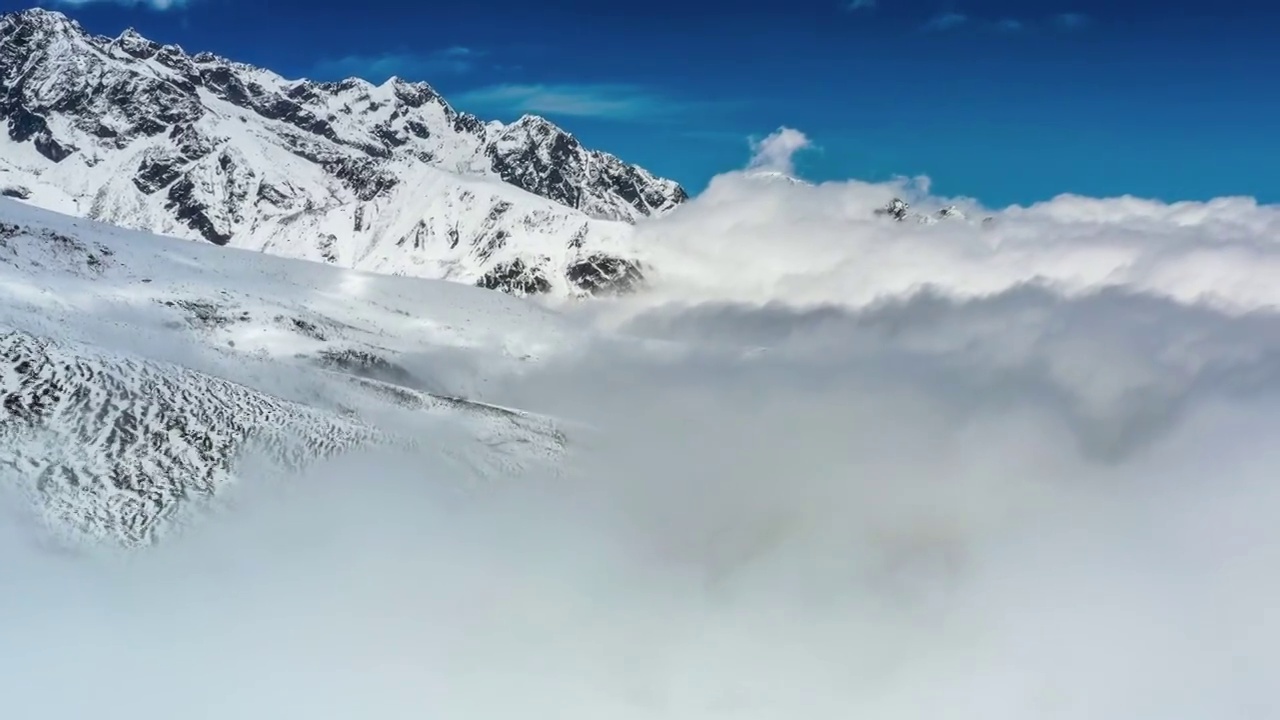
x: 1007, y: 101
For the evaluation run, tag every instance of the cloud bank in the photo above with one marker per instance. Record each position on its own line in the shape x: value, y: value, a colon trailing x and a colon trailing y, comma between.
x: 831, y: 465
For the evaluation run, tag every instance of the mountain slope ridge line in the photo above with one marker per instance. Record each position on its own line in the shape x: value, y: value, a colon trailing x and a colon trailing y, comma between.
x: 388, y: 178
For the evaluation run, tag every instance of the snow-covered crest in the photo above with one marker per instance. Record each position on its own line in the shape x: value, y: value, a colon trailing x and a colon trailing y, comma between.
x: 388, y: 178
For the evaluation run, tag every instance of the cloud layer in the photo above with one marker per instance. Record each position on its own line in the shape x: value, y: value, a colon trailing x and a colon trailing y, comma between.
x: 832, y: 465
x: 613, y: 101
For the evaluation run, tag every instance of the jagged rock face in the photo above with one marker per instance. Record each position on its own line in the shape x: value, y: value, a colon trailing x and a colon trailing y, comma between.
x: 898, y: 209
x: 388, y: 178
x: 533, y: 154
x: 602, y: 274
x: 515, y: 278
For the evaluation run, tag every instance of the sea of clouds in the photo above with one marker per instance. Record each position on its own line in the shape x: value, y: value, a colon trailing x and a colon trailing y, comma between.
x: 828, y: 466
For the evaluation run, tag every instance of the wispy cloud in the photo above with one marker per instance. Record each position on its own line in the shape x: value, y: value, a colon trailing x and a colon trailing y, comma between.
x: 601, y: 100
x: 153, y: 4
x: 852, y: 5
x: 1071, y: 20
x: 416, y: 66
x: 946, y: 21
x: 777, y: 151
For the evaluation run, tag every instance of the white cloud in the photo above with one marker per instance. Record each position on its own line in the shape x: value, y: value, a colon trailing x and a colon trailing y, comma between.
x: 414, y: 66
x: 776, y: 152
x: 859, y: 468
x: 1071, y: 21
x: 615, y: 101
x: 860, y: 5
x: 153, y: 4
x: 837, y: 251
x: 946, y: 21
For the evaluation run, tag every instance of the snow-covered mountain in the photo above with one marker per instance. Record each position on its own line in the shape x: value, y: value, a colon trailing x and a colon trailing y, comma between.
x: 139, y: 373
x: 386, y: 178
x: 899, y: 210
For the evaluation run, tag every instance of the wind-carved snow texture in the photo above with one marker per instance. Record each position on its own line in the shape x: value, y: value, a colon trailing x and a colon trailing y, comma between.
x: 113, y: 444
x: 388, y: 178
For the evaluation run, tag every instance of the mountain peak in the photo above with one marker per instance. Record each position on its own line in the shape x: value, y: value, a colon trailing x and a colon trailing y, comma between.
x: 387, y: 178
x: 39, y: 14
x: 413, y: 94
x: 536, y: 123
x: 133, y: 43
x: 42, y: 19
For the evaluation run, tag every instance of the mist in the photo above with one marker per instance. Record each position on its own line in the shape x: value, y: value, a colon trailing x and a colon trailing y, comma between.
x: 830, y: 466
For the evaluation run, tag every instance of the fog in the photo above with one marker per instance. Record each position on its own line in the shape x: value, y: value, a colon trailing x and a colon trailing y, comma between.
x: 829, y: 466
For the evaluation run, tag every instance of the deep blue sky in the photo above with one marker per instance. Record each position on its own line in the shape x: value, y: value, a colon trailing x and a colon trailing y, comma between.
x: 1008, y: 101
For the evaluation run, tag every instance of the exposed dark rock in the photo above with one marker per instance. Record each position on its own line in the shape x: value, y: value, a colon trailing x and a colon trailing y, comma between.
x: 537, y: 156
x: 515, y: 278
x: 467, y: 123
x: 154, y: 174
x: 414, y: 95
x: 136, y: 45
x: 204, y: 315
x: 269, y: 194
x: 896, y: 209
x: 303, y: 327
x: 365, y: 364
x: 181, y: 200
x: 605, y: 275
x: 328, y: 248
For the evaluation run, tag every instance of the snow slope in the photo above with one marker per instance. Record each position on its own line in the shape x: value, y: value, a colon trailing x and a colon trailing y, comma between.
x: 140, y: 373
x: 388, y: 178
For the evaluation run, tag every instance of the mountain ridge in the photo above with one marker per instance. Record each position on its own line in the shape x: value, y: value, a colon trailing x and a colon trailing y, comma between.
x: 388, y: 178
